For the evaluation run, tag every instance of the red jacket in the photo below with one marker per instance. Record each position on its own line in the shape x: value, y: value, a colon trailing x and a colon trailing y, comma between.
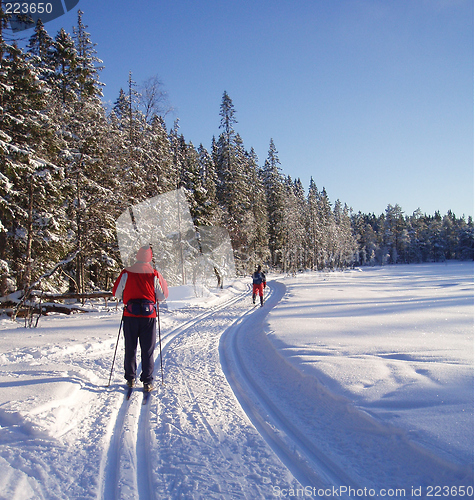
x: 140, y: 281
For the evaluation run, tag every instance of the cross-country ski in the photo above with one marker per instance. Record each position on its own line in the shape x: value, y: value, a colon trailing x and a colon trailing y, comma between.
x: 146, y: 397
x: 129, y: 393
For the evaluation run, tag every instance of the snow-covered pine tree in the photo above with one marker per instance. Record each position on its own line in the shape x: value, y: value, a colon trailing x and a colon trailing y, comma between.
x: 302, y: 208
x: 233, y: 186
x: 88, y: 64
x: 191, y: 179
x: 159, y: 159
x: 238, y: 205
x: 211, y: 214
x: 83, y: 129
x: 450, y: 233
x: 203, y: 190
x: 120, y: 109
x: 417, y: 231
x: 130, y: 147
x: 327, y: 232
x: 465, y: 247
x: 365, y: 238
x: 29, y: 185
x: 347, y: 247
x: 395, y: 236
x: 224, y: 152
x: 118, y: 145
x: 436, y: 238
x: 314, y: 236
x: 38, y: 50
x: 228, y: 120
x: 275, y: 195
x: 293, y: 227
x: 178, y: 159
x: 63, y: 61
x: 258, y: 224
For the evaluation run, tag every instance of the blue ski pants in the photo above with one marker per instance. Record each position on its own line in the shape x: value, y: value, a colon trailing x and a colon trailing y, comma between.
x: 144, y: 331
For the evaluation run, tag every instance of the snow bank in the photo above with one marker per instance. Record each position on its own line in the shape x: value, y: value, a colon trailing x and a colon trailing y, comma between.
x: 397, y: 341
x: 188, y: 295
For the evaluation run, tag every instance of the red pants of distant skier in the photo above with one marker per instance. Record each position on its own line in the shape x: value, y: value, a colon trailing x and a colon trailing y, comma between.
x: 258, y: 289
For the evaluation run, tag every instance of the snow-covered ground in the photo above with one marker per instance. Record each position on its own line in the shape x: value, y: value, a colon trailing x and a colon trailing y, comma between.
x: 344, y: 384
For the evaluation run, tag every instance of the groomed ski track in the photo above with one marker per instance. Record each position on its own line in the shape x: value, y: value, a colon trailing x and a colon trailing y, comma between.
x: 304, y: 460
x: 126, y: 469
x: 130, y: 468
x: 235, y: 420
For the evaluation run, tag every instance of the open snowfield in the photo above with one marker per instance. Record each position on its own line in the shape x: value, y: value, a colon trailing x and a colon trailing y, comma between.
x: 344, y: 384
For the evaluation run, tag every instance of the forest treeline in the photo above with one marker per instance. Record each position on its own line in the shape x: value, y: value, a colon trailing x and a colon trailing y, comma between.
x: 70, y: 167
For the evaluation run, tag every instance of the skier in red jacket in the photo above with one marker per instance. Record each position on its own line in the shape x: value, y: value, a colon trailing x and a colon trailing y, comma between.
x: 141, y: 288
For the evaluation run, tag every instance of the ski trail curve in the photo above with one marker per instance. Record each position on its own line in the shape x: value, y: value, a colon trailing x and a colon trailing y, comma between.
x: 327, y: 442
x: 305, y: 461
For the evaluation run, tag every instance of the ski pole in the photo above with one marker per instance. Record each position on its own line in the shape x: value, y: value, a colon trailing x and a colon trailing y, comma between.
x: 160, y: 340
x: 158, y: 319
x: 115, y: 352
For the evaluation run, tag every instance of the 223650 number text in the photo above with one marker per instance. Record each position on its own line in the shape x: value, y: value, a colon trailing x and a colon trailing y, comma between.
x: 28, y: 8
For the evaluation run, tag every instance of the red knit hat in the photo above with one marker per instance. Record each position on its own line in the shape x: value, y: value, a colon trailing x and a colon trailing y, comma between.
x: 144, y: 254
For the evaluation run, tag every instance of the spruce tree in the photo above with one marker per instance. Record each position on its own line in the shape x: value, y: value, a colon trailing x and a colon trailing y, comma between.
x: 88, y: 64
x: 64, y: 63
x: 395, y: 233
x: 233, y: 190
x: 159, y: 159
x: 178, y: 160
x: 258, y: 236
x: 210, y: 214
x: 346, y: 244
x: 225, y: 151
x: 314, y: 229
x: 83, y: 130
x: 275, y: 195
x: 130, y: 148
x: 29, y: 186
x: 327, y: 232
x: 293, y: 227
x: 39, y: 47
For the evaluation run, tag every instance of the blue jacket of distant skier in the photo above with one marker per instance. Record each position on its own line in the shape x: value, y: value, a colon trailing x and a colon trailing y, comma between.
x: 258, y: 278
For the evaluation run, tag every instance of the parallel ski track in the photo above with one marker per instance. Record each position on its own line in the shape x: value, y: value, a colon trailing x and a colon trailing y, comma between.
x: 139, y: 450
x: 303, y: 459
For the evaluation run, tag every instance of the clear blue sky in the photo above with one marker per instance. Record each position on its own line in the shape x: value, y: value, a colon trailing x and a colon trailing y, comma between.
x: 373, y: 98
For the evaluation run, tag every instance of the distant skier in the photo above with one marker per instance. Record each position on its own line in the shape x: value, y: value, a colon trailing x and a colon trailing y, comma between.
x: 141, y: 288
x: 258, y: 285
